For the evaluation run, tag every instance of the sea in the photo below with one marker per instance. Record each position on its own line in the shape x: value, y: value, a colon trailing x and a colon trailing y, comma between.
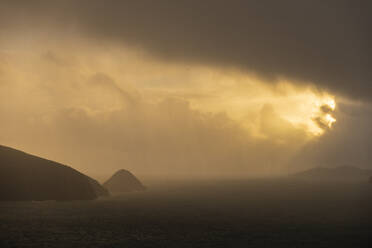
x: 200, y: 213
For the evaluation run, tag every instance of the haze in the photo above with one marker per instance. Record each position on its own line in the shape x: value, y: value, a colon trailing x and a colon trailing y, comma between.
x: 187, y: 88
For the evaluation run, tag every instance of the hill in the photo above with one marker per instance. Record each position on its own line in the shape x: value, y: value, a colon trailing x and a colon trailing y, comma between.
x: 98, y: 188
x: 341, y: 173
x: 26, y: 177
x: 123, y: 181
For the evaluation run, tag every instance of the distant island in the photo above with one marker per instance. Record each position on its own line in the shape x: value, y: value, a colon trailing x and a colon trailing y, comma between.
x: 24, y: 177
x: 123, y: 181
x: 341, y: 173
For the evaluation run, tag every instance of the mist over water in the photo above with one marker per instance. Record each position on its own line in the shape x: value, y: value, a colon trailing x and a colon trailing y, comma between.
x: 208, y: 213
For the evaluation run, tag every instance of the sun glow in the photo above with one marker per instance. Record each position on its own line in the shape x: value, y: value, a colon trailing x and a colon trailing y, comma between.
x: 332, y: 104
x: 329, y: 120
x: 312, y: 112
x: 322, y: 117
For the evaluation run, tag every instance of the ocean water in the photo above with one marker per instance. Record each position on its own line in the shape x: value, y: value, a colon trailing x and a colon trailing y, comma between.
x: 220, y: 213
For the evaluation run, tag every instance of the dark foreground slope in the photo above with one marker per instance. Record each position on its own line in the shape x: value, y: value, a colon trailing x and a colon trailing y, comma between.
x: 26, y: 177
x: 98, y: 188
x: 123, y: 181
x: 341, y: 173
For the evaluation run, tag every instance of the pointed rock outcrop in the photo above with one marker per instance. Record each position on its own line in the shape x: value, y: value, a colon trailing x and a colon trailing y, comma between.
x: 123, y: 181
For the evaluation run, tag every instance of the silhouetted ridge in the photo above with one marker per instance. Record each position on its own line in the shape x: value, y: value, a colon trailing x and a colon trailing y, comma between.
x: 341, y: 173
x: 123, y: 181
x: 27, y: 177
x: 98, y: 188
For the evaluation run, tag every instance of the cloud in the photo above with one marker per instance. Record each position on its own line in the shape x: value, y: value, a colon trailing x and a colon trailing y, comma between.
x: 99, y: 110
x: 78, y: 110
x: 347, y: 144
x: 277, y: 128
x: 326, y: 43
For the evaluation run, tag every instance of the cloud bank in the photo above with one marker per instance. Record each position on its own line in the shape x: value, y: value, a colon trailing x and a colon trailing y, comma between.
x: 101, y: 111
x: 326, y: 43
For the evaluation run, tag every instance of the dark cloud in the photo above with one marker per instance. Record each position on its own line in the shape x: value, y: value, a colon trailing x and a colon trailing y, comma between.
x: 326, y: 109
x: 326, y: 42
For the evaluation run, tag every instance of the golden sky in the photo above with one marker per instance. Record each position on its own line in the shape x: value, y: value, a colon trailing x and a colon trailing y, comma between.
x: 86, y: 105
x: 169, y: 89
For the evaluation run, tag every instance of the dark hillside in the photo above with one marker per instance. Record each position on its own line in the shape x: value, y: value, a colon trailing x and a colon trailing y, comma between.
x: 26, y: 177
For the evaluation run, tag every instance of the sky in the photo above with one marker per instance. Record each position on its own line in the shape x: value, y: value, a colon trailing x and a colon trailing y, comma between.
x: 188, y: 88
